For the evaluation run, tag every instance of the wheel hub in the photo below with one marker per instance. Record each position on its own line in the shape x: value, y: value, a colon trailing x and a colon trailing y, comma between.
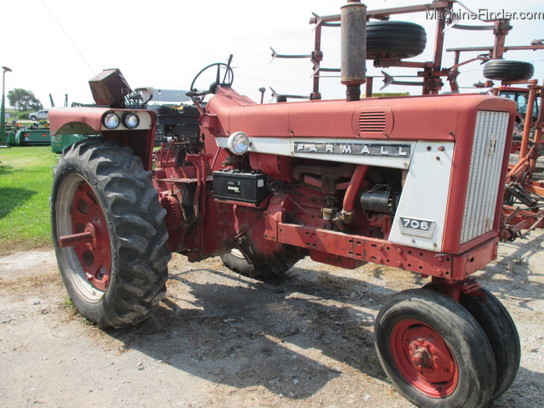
x: 90, y: 238
x: 424, y: 359
x: 421, y: 357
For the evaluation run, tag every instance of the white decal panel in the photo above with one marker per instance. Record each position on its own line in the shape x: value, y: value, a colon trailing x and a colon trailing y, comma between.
x: 420, y: 217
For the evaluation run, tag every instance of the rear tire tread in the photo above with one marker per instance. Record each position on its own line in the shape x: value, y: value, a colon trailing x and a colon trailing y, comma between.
x: 138, y: 241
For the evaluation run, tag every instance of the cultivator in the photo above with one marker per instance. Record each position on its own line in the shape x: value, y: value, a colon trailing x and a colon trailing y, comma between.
x: 524, y: 195
x: 417, y: 183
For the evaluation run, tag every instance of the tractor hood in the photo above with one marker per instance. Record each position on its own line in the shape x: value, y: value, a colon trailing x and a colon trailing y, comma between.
x: 401, y: 118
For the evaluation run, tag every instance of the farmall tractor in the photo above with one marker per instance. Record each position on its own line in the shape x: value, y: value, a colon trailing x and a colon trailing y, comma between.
x: 415, y: 183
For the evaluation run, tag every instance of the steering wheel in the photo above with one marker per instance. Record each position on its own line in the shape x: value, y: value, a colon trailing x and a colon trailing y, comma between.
x: 222, y: 69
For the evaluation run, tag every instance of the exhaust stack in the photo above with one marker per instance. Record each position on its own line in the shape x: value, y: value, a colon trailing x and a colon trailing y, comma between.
x: 353, y: 48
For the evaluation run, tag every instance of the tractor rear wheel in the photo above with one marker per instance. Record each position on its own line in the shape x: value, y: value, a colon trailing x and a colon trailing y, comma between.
x: 109, y: 234
x: 434, y: 351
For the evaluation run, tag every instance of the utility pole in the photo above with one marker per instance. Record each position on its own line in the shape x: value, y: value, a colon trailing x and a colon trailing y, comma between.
x: 3, y: 138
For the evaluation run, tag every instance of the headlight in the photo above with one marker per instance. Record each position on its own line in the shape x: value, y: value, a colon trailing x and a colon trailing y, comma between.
x: 111, y: 120
x: 131, y: 120
x: 238, y: 143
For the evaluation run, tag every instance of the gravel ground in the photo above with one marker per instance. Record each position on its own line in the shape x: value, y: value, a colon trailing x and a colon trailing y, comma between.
x: 222, y: 340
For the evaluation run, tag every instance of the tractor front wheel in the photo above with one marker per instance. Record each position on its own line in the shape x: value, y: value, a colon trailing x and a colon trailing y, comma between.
x: 434, y: 351
x: 264, y: 268
x: 501, y: 333
x: 109, y: 234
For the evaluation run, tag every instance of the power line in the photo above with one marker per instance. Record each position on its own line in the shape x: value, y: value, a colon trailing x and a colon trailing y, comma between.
x: 69, y: 38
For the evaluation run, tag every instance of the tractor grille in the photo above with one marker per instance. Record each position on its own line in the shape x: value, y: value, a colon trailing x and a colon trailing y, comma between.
x: 372, y: 121
x: 484, y: 178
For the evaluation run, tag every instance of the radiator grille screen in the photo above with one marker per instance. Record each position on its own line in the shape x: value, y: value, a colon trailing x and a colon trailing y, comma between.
x: 485, y: 169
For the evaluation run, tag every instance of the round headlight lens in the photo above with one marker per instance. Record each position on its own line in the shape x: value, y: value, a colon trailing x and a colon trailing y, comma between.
x: 238, y: 143
x: 111, y: 120
x: 131, y: 120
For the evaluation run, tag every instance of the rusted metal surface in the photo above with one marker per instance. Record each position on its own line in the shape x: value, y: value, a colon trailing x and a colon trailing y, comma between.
x: 445, y: 266
x: 432, y: 71
x: 525, y: 217
x: 528, y: 118
x: 353, y: 49
x: 502, y: 27
x: 110, y: 88
x: 73, y: 239
x: 490, y: 48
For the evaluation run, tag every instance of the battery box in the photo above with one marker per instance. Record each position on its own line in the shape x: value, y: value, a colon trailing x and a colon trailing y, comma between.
x: 235, y: 185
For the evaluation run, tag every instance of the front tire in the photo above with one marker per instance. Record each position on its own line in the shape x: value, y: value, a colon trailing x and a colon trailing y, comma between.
x: 501, y: 332
x: 109, y: 234
x: 261, y: 267
x: 434, y: 351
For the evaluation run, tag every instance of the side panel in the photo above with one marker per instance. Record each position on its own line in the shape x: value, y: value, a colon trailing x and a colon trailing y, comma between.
x: 420, y: 217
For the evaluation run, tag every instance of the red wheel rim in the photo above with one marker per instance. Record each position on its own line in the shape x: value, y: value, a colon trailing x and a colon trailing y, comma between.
x: 423, y: 358
x: 93, y: 254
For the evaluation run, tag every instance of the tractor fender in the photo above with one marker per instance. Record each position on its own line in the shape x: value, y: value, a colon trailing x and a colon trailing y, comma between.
x: 89, y: 121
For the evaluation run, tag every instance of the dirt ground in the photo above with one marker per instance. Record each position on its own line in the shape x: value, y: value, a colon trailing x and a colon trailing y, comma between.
x: 222, y: 340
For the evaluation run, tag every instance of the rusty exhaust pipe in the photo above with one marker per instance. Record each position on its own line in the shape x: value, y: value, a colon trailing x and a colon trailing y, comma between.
x: 353, y: 48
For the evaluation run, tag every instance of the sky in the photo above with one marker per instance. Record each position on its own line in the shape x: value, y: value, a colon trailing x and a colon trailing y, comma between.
x: 55, y: 46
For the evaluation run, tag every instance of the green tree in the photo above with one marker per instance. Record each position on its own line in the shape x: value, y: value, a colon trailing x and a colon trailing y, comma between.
x: 23, y: 100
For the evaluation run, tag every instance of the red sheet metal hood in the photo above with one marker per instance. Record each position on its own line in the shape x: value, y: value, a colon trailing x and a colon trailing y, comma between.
x: 402, y: 118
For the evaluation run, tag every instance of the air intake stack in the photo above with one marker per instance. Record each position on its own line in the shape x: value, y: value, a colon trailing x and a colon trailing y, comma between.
x: 353, y: 48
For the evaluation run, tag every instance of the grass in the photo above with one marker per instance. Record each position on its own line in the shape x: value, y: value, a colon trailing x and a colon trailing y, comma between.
x: 26, y: 175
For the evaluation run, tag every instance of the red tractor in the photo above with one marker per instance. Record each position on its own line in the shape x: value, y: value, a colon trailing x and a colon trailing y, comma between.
x: 412, y: 182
